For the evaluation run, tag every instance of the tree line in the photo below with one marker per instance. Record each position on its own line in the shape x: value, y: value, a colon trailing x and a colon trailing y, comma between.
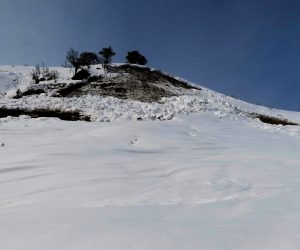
x: 105, y: 55
x: 86, y: 58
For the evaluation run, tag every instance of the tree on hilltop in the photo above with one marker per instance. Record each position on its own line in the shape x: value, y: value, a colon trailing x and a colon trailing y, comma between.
x: 107, y: 54
x: 72, y: 59
x: 134, y: 57
x: 88, y: 58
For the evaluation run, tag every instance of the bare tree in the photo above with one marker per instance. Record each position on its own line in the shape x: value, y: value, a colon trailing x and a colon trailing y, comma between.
x: 36, y: 74
x: 42, y: 73
x: 53, y: 75
x: 72, y: 59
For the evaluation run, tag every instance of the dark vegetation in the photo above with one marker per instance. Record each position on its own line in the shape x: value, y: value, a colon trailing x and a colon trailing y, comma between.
x: 81, y: 75
x: 42, y: 73
x: 30, y: 91
x: 39, y: 89
x: 70, y: 88
x: 88, y: 58
x: 273, y: 120
x: 81, y: 61
x: 107, y: 54
x: 134, y: 57
x: 35, y: 113
x: 73, y: 59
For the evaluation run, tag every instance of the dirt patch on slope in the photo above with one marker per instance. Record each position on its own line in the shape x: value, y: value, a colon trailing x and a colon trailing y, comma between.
x: 273, y: 120
x: 146, y: 74
x: 131, y: 82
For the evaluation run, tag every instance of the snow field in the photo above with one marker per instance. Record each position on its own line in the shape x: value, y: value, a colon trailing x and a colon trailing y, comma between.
x: 205, y: 177
x: 194, y: 182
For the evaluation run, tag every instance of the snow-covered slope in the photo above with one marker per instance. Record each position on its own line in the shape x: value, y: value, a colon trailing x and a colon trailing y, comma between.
x: 209, y: 176
x: 110, y: 108
x: 13, y: 77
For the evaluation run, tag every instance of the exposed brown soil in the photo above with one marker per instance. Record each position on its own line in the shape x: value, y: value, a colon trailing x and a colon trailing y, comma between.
x: 130, y: 82
x: 125, y: 82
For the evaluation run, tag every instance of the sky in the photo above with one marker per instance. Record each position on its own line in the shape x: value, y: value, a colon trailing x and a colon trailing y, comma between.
x: 246, y: 49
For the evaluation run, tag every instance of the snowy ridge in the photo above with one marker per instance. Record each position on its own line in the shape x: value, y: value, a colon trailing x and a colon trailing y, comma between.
x: 114, y: 109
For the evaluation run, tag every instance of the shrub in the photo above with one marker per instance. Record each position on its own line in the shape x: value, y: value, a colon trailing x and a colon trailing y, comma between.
x: 53, y: 75
x: 42, y: 73
x: 134, y: 57
x: 36, y: 74
x: 82, y: 74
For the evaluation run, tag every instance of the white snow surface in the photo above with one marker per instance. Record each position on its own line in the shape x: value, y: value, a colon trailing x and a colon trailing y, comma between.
x: 13, y: 77
x: 206, y: 177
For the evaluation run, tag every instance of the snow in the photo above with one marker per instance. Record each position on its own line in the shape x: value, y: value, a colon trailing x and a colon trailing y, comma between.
x: 206, y: 177
x: 13, y: 77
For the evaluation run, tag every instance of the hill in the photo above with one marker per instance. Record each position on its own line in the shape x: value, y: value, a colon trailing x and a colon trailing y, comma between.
x: 177, y: 167
x: 120, y: 92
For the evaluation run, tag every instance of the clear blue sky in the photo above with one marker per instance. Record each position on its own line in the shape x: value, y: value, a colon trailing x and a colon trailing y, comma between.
x: 246, y: 48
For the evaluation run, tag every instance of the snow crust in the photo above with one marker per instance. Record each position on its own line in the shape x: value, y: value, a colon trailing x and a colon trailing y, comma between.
x: 206, y: 177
